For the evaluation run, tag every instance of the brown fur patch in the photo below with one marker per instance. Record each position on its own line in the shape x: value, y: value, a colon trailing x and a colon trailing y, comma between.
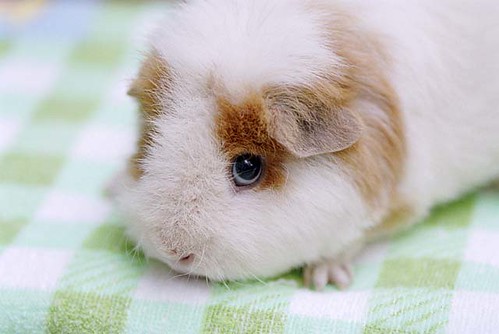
x: 243, y: 128
x: 376, y: 161
x: 152, y: 81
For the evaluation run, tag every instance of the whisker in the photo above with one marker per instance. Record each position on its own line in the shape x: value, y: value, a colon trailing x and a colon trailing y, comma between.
x: 258, y: 279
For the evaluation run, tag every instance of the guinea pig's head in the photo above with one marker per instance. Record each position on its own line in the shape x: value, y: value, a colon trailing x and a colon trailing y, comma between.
x: 251, y: 158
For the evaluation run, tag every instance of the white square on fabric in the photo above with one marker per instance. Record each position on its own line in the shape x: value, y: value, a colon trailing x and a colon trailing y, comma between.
x: 337, y: 305
x: 69, y: 207
x: 483, y: 247
x: 27, y: 77
x: 8, y: 131
x: 160, y: 284
x: 32, y: 268
x: 474, y: 312
x: 103, y: 143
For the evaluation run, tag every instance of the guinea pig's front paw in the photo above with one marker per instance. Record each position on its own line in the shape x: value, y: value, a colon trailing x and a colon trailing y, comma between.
x: 319, y: 274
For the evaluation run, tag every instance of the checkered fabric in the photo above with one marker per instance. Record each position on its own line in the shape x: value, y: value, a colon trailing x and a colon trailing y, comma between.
x: 66, y: 126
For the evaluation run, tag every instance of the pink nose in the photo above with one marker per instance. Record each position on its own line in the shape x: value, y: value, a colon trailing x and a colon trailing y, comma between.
x: 187, y: 259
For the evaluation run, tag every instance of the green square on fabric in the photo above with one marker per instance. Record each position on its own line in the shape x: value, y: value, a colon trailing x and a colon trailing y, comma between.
x: 29, y: 47
x: 23, y: 311
x: 103, y: 273
x: 403, y: 310
x: 224, y: 319
x: 9, y: 230
x: 424, y: 272
x: 66, y: 109
x: 4, y: 47
x: 113, y: 22
x: 457, y: 214
x: 84, y: 82
x: 248, y: 307
x: 30, y: 168
x: 56, y: 137
x: 97, y: 53
x: 111, y: 238
x: 73, y: 312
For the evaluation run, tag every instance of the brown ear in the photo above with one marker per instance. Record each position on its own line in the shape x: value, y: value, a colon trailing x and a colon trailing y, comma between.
x: 152, y: 80
x: 307, y: 124
x: 151, y: 83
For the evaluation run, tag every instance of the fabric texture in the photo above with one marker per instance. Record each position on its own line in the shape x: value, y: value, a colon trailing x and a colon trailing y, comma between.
x: 66, y: 126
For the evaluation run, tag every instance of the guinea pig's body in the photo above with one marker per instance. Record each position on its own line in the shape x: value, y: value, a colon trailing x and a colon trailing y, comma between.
x: 354, y: 117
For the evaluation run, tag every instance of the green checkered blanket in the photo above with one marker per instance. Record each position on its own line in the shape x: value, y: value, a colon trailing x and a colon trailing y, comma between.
x: 66, y: 126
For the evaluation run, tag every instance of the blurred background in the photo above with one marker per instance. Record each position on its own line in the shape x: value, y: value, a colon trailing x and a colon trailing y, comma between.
x: 66, y: 123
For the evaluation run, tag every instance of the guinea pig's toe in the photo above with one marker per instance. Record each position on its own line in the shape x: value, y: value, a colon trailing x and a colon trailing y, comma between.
x: 318, y: 275
x: 340, y: 274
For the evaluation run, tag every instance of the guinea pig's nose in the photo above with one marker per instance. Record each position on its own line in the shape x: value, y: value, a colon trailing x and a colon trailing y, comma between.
x: 188, y: 259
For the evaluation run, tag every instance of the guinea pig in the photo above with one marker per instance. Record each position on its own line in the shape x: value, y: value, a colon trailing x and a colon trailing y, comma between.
x: 288, y: 133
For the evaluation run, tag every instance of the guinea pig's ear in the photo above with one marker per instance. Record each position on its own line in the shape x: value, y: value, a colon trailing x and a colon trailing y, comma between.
x: 308, y: 124
x: 151, y: 82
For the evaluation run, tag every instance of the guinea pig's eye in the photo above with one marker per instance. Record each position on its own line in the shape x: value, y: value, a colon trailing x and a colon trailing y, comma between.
x: 247, y: 169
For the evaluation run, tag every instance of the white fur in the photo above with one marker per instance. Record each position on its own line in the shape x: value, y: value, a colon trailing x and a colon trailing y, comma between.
x: 445, y: 74
x: 447, y: 79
